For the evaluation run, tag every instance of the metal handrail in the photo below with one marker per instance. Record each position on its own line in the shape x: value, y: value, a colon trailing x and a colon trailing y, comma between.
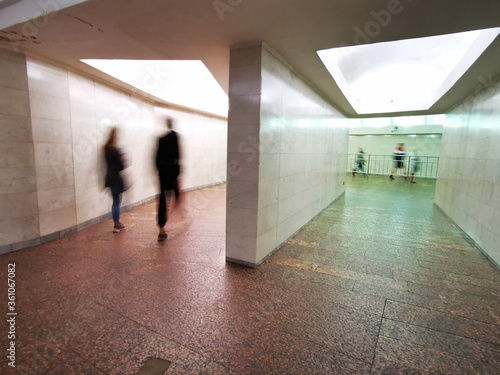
x: 382, y: 164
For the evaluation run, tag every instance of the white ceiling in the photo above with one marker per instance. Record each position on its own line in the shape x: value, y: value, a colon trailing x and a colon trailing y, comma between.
x: 207, y: 29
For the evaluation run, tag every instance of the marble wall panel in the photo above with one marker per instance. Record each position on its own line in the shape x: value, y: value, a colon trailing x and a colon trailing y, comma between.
x: 468, y: 181
x: 19, y: 229
x: 57, y: 220
x: 18, y: 198
x: 15, y: 128
x: 14, y: 102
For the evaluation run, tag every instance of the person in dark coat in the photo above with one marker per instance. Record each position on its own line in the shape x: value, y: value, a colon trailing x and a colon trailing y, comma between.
x: 113, y: 179
x: 167, y: 163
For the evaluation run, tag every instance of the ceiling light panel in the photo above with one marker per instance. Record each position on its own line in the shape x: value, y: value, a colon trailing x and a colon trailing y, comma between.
x: 405, y: 75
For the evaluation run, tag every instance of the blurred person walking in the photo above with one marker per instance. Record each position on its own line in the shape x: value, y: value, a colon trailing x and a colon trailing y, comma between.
x: 115, y: 164
x: 414, y: 164
x: 359, y: 163
x: 399, y: 154
x: 167, y: 163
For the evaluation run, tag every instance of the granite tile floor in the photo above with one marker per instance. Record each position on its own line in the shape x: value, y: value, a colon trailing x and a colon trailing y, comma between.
x: 381, y: 282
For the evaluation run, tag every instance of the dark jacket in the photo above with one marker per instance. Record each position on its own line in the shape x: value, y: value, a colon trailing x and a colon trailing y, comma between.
x: 168, y: 150
x: 167, y: 159
x: 114, y: 165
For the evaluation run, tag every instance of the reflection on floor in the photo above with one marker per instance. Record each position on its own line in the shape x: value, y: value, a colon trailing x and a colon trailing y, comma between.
x: 381, y: 282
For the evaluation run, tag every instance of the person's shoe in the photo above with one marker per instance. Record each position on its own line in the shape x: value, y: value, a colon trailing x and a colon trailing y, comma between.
x: 118, y: 228
x: 162, y: 236
x: 392, y: 178
x: 353, y: 174
x: 413, y: 182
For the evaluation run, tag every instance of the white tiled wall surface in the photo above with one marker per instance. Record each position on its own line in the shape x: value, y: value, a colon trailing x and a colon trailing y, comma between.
x: 468, y: 184
x: 53, y: 125
x: 287, y: 154
x: 18, y: 198
x: 52, y: 140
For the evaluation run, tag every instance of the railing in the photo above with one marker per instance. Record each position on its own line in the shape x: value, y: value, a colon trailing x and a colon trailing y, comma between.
x: 383, y: 164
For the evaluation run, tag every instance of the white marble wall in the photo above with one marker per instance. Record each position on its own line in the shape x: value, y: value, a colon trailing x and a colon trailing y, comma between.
x: 287, y: 154
x: 468, y: 185
x: 51, y: 114
x: 52, y: 164
x: 18, y: 198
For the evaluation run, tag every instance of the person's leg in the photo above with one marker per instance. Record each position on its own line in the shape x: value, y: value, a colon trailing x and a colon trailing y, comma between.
x: 115, y: 210
x: 177, y: 192
x: 162, y: 210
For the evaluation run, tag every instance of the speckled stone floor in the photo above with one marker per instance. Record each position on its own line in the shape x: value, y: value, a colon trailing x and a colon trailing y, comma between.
x: 381, y: 282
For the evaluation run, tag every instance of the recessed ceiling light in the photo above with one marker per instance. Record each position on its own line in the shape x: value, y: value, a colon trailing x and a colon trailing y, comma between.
x: 405, y: 75
x: 187, y: 83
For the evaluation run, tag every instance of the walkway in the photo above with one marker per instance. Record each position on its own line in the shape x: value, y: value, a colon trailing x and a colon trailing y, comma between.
x: 380, y: 283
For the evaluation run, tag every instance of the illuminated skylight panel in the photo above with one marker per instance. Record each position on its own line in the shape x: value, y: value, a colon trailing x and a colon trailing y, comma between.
x: 405, y: 75
x: 187, y: 83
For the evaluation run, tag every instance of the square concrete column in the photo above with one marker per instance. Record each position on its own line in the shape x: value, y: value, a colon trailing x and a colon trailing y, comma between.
x: 287, y: 152
x: 243, y: 155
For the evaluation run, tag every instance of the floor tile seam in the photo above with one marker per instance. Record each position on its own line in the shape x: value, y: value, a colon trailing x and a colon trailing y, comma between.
x: 450, y: 305
x: 64, y: 347
x: 456, y: 286
x: 446, y: 268
x: 358, y: 311
x: 446, y: 332
x: 88, y: 361
x: 354, y: 295
x: 352, y: 308
x: 396, y: 260
x: 365, y: 252
x: 369, y: 278
x: 439, y: 332
x: 477, y: 275
x: 444, y: 313
x: 450, y: 274
x: 415, y: 240
x: 378, y: 337
x: 479, y: 259
x: 408, y: 275
x: 334, y: 350
x: 433, y: 348
x: 486, y: 349
x: 468, y: 264
x: 207, y: 359
x: 481, y: 292
x: 323, y: 283
x: 418, y: 229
